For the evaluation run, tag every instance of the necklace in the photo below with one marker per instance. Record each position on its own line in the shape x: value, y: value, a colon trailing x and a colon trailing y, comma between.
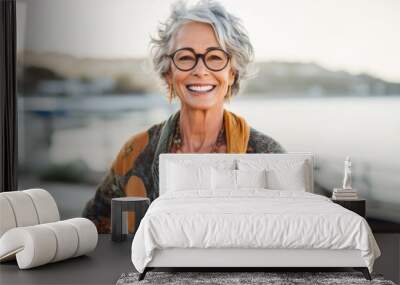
x: 177, y: 139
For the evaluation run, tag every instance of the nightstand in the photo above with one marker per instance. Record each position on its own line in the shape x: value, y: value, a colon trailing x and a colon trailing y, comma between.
x: 357, y: 205
x: 121, y: 205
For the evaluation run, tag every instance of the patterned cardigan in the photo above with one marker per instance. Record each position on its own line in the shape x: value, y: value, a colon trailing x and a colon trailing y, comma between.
x: 134, y: 171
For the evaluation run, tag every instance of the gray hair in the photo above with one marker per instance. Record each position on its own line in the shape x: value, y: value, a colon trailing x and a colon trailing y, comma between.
x: 230, y: 33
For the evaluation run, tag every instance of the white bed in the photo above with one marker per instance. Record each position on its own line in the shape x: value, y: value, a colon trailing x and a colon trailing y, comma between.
x: 202, y: 222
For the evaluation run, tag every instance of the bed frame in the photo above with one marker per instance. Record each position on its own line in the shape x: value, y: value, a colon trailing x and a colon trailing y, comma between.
x: 246, y: 259
x: 249, y: 259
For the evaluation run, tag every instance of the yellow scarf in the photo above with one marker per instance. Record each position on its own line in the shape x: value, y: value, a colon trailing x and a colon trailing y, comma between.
x: 237, y: 133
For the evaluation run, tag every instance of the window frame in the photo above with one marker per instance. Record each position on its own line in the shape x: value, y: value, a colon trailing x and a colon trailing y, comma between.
x: 8, y: 97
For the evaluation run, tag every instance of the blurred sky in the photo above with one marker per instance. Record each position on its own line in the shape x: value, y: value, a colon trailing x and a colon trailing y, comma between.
x: 355, y: 35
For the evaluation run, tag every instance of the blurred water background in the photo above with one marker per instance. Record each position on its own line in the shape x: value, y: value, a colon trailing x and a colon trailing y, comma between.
x: 69, y: 143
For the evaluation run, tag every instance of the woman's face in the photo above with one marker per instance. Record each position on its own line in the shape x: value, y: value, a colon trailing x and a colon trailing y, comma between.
x: 199, y: 88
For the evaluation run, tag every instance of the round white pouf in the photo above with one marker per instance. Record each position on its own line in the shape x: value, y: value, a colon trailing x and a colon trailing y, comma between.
x: 87, y: 233
x: 67, y: 240
x: 6, y: 215
x: 45, y: 205
x: 40, y: 244
x: 33, y: 246
x: 23, y: 208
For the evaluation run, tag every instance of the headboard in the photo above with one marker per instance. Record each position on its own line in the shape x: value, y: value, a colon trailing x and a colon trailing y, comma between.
x: 231, y: 160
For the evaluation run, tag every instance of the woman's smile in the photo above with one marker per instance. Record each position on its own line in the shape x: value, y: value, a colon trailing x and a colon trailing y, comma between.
x: 200, y: 89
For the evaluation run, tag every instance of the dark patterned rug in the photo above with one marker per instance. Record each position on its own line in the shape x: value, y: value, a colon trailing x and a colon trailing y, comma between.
x: 273, y: 278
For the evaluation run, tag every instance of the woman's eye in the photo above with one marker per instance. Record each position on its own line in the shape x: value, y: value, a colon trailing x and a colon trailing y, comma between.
x: 214, y: 57
x: 186, y: 58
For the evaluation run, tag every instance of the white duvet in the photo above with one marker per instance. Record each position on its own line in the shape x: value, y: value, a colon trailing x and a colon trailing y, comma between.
x: 251, y: 218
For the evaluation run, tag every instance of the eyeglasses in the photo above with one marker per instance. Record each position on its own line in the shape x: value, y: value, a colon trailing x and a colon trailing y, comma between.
x: 185, y: 59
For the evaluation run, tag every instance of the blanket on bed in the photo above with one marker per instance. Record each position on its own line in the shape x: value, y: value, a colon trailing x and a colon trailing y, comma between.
x: 252, y: 218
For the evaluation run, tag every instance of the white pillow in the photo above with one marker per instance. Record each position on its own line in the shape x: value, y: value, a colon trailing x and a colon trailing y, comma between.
x: 287, y: 178
x: 287, y: 174
x: 188, y: 177
x: 251, y: 178
x: 224, y: 179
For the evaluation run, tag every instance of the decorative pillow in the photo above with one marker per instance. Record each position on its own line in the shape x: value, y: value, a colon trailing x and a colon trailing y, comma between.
x: 224, y: 179
x: 188, y: 177
x: 281, y: 174
x: 251, y: 178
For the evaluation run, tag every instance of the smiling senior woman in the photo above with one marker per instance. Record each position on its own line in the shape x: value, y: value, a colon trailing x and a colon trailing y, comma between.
x: 201, y: 53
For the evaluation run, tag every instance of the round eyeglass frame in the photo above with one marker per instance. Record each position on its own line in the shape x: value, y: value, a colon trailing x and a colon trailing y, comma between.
x: 199, y: 55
